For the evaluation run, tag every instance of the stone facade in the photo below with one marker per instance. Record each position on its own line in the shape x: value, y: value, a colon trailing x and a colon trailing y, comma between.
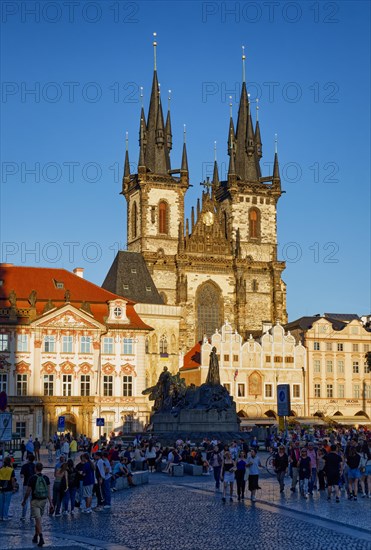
x: 222, y: 263
x: 252, y: 369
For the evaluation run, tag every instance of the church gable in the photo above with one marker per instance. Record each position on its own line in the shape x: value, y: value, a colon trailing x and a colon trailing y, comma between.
x: 207, y: 234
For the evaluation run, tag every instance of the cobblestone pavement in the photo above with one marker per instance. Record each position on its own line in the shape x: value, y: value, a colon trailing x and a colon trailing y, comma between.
x: 187, y: 513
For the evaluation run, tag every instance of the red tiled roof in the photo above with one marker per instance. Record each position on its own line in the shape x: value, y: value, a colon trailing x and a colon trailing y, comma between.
x: 43, y: 280
x: 192, y: 359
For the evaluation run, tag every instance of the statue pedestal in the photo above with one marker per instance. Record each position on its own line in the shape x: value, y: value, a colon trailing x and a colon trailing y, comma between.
x: 195, y: 421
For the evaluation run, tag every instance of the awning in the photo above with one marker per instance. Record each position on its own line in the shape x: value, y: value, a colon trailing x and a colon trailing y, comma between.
x: 351, y: 420
x: 257, y: 422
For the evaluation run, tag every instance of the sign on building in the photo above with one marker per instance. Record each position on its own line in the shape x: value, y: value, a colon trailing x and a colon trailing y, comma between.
x: 100, y: 421
x: 283, y: 400
x: 5, y: 426
x: 61, y: 423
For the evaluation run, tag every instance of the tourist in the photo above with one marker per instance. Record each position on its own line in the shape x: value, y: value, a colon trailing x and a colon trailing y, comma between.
x: 71, y: 488
x: 22, y: 448
x: 88, y: 479
x: 240, y: 475
x: 107, y: 470
x: 294, y: 456
x: 333, y: 471
x: 321, y: 470
x: 312, y: 454
x: 215, y: 460
x: 65, y: 448
x: 50, y: 449
x: 30, y: 447
x: 60, y: 473
x: 281, y: 463
x: 253, y: 463
x: 150, y: 456
x: 27, y: 470
x: 227, y: 474
x: 39, y: 488
x: 73, y: 448
x: 99, y: 480
x: 305, y: 472
x: 7, y: 487
x: 353, y: 460
x: 365, y: 469
x: 37, y: 447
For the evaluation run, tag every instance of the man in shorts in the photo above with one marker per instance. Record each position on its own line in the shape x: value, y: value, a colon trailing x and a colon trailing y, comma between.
x: 40, y: 493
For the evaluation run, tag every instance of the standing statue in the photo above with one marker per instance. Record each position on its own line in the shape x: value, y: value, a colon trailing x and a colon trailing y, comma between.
x: 32, y: 298
x: 213, y: 378
x: 161, y: 391
x: 12, y: 299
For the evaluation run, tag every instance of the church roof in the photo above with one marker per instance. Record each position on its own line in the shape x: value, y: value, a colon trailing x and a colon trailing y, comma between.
x: 192, y: 359
x: 129, y: 276
x: 52, y: 284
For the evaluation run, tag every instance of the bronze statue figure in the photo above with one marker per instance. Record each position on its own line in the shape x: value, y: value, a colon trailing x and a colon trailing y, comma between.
x: 213, y: 377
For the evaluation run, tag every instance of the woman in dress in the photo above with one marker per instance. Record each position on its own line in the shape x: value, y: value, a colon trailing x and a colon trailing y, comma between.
x: 253, y: 462
x: 227, y: 475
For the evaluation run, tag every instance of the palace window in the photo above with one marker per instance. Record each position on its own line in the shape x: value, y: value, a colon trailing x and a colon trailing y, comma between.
x: 20, y: 429
x: 67, y: 343
x: 340, y: 367
x: 127, y: 386
x: 328, y: 346
x: 340, y: 347
x: 317, y: 390
x: 108, y: 386
x: 330, y: 390
x: 341, y: 391
x: 366, y: 347
x: 254, y: 223
x: 67, y: 385
x: 235, y: 358
x: 268, y: 390
x: 267, y: 358
x: 85, y: 344
x: 241, y: 390
x: 289, y: 359
x: 316, y: 346
x: 108, y: 345
x: 227, y: 387
x: 356, y: 391
x: 355, y: 367
x: 296, y: 390
x: 22, y: 342
x: 49, y: 344
x: 3, y: 382
x: 21, y: 384
x: 277, y: 359
x: 355, y: 347
x: 163, y: 218
x: 329, y: 366
x: 317, y: 365
x: 163, y: 345
x: 128, y: 346
x: 226, y: 357
x: 4, y: 342
x: 367, y: 391
x: 85, y: 385
x: 48, y: 384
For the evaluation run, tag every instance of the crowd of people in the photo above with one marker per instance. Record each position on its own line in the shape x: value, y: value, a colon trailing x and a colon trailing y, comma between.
x: 332, y: 461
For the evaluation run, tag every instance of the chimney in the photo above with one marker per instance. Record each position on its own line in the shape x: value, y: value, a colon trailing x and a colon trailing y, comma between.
x: 79, y: 271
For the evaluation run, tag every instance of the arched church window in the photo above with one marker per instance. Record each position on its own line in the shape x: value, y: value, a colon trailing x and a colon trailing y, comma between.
x: 254, y: 223
x: 209, y: 310
x: 163, y: 345
x: 134, y: 221
x: 163, y: 217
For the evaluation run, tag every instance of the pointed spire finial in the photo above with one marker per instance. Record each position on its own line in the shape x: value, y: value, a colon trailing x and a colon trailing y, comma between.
x: 159, y: 93
x: 184, y: 133
x: 154, y: 51
x: 214, y: 151
x: 230, y: 106
x: 168, y: 100
x: 257, y: 109
x: 141, y: 96
x: 243, y: 64
x: 127, y: 141
x: 275, y: 143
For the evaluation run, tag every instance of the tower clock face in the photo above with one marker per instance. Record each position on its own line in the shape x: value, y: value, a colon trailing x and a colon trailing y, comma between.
x: 208, y: 218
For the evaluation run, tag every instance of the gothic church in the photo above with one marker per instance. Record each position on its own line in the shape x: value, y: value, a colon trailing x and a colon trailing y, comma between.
x: 221, y: 265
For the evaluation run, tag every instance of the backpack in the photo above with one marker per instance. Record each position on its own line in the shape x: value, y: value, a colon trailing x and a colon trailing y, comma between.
x: 41, y: 488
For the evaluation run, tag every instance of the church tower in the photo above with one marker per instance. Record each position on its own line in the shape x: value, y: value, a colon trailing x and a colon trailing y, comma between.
x: 155, y: 195
x: 221, y: 265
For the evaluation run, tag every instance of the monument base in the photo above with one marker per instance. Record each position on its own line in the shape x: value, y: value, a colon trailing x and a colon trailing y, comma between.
x: 196, y: 421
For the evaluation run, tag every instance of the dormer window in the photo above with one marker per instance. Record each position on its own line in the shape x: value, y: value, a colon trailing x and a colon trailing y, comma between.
x: 58, y: 284
x: 133, y: 270
x: 117, y: 312
x: 148, y: 288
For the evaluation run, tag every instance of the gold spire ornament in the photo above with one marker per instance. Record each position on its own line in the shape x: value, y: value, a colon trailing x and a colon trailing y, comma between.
x: 275, y: 143
x: 257, y: 109
x: 154, y: 50
x: 127, y: 141
x: 243, y: 64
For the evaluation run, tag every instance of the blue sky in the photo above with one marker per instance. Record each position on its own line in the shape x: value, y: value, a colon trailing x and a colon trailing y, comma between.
x: 62, y: 145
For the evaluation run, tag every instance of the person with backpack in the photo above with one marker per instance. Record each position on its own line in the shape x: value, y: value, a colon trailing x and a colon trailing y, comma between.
x: 39, y: 489
x: 27, y: 470
x: 7, y: 487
